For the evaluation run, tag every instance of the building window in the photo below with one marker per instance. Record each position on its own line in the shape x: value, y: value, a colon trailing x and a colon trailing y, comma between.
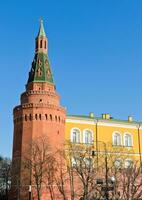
x: 118, y: 163
x: 116, y: 139
x: 128, y: 163
x: 87, y: 137
x: 74, y: 163
x: 75, y: 135
x: 88, y: 162
x: 127, y: 140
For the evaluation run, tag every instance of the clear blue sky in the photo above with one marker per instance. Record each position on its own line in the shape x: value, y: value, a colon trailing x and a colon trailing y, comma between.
x: 95, y: 49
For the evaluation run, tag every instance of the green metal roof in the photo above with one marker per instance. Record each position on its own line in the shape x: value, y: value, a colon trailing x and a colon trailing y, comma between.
x: 41, y: 32
x: 41, y: 70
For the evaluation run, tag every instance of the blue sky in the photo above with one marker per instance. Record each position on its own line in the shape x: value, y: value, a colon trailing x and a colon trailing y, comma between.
x: 95, y: 49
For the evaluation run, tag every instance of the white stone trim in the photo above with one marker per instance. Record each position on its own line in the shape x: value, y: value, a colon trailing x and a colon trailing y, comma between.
x: 75, y: 121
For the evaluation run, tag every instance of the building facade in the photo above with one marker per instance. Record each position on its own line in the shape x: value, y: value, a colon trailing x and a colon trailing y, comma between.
x: 40, y: 113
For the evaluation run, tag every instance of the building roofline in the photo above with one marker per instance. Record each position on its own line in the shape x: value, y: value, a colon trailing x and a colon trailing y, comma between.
x: 111, y: 120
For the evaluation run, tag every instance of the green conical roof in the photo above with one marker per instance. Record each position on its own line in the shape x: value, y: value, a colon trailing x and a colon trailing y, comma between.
x: 41, y: 32
x: 41, y: 70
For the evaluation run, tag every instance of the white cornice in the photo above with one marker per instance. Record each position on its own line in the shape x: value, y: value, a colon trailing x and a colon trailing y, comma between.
x: 103, y: 123
x: 77, y: 121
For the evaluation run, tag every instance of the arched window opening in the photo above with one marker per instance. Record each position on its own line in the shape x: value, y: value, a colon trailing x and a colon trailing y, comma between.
x: 59, y: 118
x: 36, y: 116
x: 25, y: 117
x: 75, y: 136
x: 116, y: 139
x: 40, y: 116
x: 46, y: 116
x: 40, y: 43
x: 128, y: 140
x: 30, y: 117
x: 88, y: 137
x: 50, y: 117
x: 56, y: 118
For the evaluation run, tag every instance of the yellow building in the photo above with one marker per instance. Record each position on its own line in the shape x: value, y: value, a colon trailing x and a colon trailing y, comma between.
x: 124, y: 136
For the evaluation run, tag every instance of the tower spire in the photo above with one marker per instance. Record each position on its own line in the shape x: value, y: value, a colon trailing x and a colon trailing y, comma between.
x: 41, y: 70
x: 41, y: 32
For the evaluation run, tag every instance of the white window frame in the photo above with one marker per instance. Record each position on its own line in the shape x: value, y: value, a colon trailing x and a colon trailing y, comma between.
x: 79, y: 137
x: 84, y: 131
x: 131, y: 137
x: 113, y: 140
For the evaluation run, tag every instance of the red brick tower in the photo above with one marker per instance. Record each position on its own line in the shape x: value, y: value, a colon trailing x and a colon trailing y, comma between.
x: 38, y: 114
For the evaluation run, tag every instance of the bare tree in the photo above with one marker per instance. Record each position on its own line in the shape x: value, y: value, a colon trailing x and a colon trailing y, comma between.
x: 130, y: 182
x: 5, y: 177
x: 38, y: 163
x: 99, y: 176
x: 77, y: 172
x: 80, y: 172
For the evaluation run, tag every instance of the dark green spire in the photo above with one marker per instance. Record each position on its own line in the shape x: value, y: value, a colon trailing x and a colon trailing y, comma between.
x: 41, y: 70
x: 41, y: 32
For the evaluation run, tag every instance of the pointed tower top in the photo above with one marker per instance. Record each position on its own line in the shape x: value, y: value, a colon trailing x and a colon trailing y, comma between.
x: 41, y: 32
x: 41, y: 69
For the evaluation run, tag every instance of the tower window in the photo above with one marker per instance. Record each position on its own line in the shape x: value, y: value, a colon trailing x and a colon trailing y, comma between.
x: 25, y: 117
x: 36, y: 116
x: 59, y: 119
x: 46, y: 116
x: 40, y: 116
x: 56, y: 118
x: 50, y: 117
x: 30, y: 117
x: 40, y: 43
